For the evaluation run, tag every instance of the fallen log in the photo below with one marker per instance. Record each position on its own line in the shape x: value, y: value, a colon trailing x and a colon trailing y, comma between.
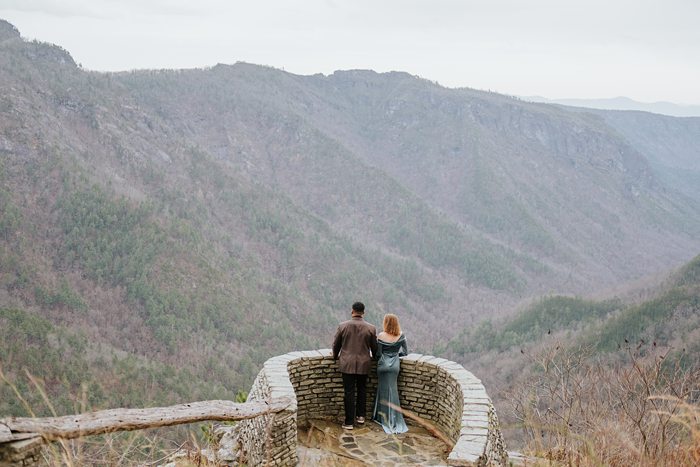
x: 108, y: 421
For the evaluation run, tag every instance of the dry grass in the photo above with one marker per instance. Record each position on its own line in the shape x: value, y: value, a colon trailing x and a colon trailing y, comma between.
x: 579, y: 411
x: 143, y: 447
x: 686, y: 452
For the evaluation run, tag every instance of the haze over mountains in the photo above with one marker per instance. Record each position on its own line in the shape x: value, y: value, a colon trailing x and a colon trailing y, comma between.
x: 624, y: 103
x: 172, y: 229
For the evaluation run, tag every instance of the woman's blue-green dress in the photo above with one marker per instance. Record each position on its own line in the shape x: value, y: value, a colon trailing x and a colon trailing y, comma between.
x: 388, y: 368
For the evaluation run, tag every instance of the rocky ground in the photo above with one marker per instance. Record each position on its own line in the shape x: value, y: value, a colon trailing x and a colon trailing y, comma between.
x: 325, y: 443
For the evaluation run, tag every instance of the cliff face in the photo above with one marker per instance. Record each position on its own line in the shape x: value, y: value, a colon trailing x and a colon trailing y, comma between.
x: 158, y: 218
x: 671, y: 145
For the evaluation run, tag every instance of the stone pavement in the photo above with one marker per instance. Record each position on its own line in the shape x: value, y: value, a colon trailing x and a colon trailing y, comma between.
x: 325, y: 443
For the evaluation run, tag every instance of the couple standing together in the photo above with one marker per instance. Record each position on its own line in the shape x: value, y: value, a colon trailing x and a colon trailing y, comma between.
x: 356, y: 343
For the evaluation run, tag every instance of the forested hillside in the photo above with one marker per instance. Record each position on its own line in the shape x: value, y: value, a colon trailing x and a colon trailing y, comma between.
x: 669, y: 319
x: 164, y: 232
x: 571, y: 370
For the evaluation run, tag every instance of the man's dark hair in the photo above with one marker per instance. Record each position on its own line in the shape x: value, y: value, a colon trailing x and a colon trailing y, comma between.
x: 358, y: 307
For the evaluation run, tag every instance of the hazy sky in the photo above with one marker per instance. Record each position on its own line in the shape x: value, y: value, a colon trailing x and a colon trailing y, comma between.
x: 646, y: 50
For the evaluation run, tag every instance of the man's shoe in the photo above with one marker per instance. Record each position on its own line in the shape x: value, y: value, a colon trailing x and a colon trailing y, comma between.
x: 348, y: 427
x: 360, y: 420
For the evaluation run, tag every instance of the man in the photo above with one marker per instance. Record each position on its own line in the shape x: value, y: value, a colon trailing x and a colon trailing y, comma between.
x: 355, y: 344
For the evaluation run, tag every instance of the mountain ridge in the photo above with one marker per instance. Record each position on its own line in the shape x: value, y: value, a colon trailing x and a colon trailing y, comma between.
x: 162, y: 219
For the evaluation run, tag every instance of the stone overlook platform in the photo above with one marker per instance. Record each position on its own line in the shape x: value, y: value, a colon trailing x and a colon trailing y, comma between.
x: 438, y: 391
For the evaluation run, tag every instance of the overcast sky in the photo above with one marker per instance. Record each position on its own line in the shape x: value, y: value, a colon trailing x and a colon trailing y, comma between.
x: 646, y: 50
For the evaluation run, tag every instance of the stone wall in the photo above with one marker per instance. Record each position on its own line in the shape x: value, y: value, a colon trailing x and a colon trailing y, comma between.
x: 271, y: 439
x: 435, y: 389
x: 26, y: 452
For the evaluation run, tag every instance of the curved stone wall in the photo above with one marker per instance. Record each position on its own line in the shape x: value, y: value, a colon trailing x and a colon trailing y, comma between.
x: 435, y: 389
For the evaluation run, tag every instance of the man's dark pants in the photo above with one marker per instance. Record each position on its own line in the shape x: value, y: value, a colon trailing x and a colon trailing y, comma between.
x: 351, y: 381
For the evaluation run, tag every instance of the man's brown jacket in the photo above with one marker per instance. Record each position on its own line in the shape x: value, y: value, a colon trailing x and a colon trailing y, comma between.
x: 353, y: 342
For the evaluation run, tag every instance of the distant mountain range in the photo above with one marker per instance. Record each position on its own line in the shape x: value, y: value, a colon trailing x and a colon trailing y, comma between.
x: 163, y: 232
x: 624, y: 103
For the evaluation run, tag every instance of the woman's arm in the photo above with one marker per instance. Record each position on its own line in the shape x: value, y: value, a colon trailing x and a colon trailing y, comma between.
x: 403, y: 351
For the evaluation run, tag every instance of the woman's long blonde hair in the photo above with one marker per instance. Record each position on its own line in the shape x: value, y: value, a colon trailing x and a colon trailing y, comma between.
x: 391, y: 324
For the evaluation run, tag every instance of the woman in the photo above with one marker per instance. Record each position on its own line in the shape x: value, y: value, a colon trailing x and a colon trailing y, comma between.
x: 391, y: 345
